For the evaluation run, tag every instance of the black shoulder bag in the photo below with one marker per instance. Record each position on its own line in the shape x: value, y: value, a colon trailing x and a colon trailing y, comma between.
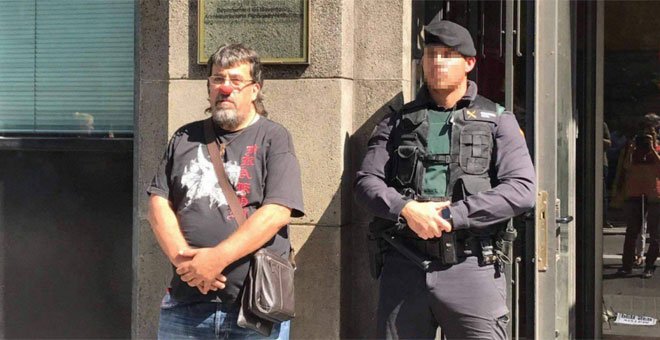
x: 267, y: 295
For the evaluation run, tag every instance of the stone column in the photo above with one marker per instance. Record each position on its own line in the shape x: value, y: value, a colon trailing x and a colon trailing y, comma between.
x: 382, y: 77
x: 150, y: 268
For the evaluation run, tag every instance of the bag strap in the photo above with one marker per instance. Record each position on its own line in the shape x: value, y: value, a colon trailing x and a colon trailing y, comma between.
x: 217, y: 152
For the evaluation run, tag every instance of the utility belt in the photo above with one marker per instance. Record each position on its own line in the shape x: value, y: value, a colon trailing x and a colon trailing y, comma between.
x: 451, y: 248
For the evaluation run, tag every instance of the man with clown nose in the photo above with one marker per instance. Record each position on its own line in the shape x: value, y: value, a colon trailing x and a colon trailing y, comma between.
x: 190, y: 215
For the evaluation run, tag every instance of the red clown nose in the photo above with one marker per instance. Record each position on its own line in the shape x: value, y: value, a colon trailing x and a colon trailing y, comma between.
x: 226, y: 90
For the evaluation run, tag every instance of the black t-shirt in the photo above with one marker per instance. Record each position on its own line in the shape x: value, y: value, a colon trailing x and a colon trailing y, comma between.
x: 261, y: 165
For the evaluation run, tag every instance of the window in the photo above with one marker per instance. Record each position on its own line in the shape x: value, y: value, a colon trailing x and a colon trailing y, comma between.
x: 66, y: 67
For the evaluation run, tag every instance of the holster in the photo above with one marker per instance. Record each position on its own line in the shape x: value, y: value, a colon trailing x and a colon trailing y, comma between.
x: 376, y: 246
x: 376, y: 255
x: 448, y: 252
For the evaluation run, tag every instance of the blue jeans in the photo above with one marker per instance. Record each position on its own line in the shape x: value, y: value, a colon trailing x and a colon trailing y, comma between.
x: 207, y: 320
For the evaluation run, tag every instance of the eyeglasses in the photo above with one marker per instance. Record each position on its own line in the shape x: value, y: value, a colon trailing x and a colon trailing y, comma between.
x: 235, y: 83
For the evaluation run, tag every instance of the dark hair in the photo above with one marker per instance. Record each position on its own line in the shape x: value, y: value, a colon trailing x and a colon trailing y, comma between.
x: 232, y: 55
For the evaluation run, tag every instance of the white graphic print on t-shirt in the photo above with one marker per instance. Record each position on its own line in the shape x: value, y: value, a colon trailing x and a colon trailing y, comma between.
x: 200, y: 179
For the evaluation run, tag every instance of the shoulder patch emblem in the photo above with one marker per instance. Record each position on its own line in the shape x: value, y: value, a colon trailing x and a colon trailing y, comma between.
x: 486, y: 114
x: 471, y: 113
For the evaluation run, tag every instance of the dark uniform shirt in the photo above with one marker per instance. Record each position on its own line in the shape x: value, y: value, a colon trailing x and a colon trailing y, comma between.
x: 513, y: 195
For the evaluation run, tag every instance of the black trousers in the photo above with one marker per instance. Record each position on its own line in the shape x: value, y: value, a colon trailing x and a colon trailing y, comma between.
x: 467, y: 301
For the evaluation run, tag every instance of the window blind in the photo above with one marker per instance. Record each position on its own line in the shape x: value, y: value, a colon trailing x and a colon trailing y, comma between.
x: 82, y: 66
x: 17, y: 45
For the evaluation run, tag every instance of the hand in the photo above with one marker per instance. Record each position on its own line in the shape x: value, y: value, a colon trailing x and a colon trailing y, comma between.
x: 424, y: 218
x: 203, y: 269
x: 218, y: 283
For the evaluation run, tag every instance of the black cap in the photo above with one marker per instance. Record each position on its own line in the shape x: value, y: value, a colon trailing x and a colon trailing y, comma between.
x: 450, y: 34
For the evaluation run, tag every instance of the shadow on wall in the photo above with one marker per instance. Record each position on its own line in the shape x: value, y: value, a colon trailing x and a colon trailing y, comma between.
x: 317, y: 258
x: 359, y: 289
x: 318, y: 289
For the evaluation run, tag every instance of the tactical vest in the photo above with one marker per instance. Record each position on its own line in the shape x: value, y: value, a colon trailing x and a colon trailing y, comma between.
x: 471, y: 149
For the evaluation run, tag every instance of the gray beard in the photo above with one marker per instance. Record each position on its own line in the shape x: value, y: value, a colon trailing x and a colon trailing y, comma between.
x: 226, y: 118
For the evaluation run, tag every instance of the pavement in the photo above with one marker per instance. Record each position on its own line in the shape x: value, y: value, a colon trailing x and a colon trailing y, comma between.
x: 630, y: 294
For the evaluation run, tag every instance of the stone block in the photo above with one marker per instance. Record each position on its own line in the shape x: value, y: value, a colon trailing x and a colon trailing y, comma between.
x: 379, y: 44
x: 319, y: 131
x: 372, y: 99
x: 151, y: 137
x: 326, y: 36
x: 359, y: 289
x: 187, y: 101
x: 152, y: 39
x: 371, y: 95
x: 179, y: 20
x: 317, y: 282
x: 150, y: 268
x: 347, y: 49
x: 151, y: 276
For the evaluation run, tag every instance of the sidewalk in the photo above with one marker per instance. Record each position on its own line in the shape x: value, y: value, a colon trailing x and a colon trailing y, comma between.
x: 629, y: 295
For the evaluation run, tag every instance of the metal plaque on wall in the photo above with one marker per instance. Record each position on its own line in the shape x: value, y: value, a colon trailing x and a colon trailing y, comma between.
x: 276, y: 29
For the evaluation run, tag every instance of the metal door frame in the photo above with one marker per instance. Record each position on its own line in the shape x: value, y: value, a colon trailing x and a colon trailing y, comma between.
x: 590, y: 240
x: 554, y: 293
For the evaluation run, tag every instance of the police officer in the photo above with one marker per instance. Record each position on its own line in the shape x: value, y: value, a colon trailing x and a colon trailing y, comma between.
x: 442, y: 174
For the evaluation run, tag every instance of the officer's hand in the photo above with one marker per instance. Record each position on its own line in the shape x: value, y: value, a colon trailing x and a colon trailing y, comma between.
x: 424, y: 218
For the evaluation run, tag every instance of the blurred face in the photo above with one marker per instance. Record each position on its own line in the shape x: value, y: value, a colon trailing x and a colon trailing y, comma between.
x: 444, y: 68
x: 231, y: 94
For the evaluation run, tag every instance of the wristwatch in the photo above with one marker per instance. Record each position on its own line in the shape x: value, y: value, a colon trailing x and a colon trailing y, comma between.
x: 445, y: 213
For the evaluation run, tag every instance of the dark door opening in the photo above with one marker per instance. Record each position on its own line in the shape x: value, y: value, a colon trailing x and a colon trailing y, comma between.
x: 66, y: 241
x: 626, y: 64
x: 631, y: 86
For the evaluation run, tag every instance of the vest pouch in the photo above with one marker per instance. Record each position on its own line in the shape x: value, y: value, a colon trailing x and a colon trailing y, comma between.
x: 473, y: 185
x: 405, y: 164
x: 476, y: 146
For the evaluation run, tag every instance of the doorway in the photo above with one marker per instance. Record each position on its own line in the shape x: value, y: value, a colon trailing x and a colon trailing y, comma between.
x: 631, y: 204
x: 66, y: 238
